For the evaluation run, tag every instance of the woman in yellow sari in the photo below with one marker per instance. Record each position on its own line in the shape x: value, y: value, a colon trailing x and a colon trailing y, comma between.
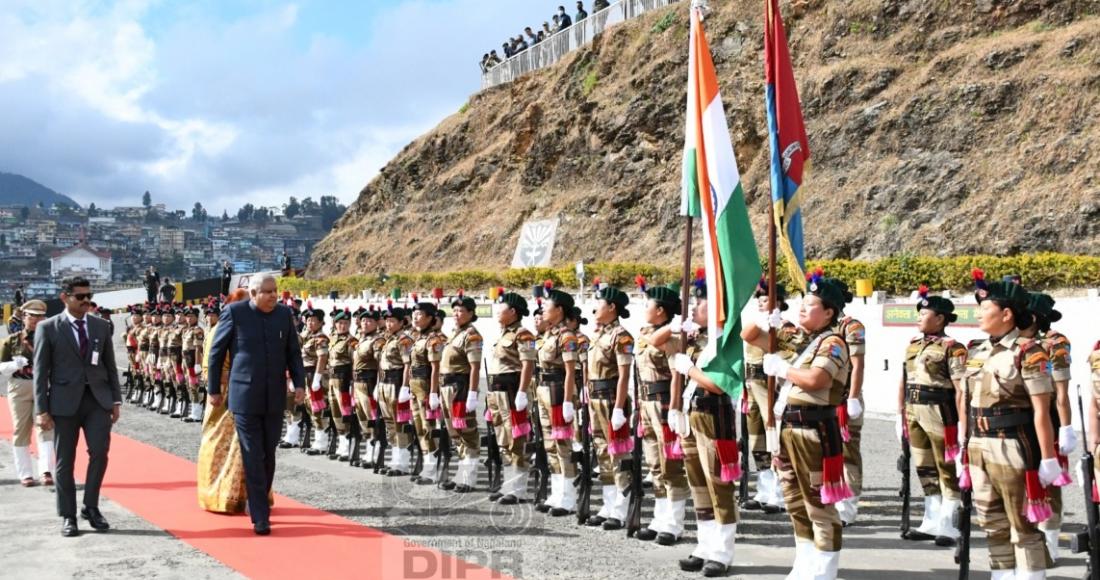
x: 221, y: 486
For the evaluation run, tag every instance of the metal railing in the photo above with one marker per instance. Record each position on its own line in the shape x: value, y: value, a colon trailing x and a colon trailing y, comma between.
x: 563, y: 42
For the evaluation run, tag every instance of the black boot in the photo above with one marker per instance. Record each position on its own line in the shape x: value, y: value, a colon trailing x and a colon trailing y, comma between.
x: 714, y: 569
x: 691, y: 564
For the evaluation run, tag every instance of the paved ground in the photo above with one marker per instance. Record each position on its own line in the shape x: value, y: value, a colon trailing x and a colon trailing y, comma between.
x: 517, y: 541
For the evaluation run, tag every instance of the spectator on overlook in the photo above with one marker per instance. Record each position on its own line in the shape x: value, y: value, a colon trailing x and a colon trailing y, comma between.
x: 520, y: 44
x: 507, y: 47
x: 563, y: 19
x: 530, y: 34
x: 600, y: 5
x: 581, y: 14
x: 494, y: 59
x: 546, y: 30
x: 484, y: 62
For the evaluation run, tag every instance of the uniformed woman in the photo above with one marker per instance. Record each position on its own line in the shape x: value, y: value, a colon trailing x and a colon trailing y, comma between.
x: 367, y: 354
x: 393, y: 389
x: 315, y: 344
x: 460, y: 370
x: 427, y: 353
x: 556, y: 394
x: 341, y: 352
x: 512, y: 365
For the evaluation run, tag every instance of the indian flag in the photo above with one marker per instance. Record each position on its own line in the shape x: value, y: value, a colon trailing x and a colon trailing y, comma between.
x: 712, y: 192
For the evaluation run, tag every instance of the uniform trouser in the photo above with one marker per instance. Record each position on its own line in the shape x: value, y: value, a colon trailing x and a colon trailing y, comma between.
x: 926, y: 440
x: 853, y: 456
x: 292, y: 409
x: 421, y: 389
x: 468, y: 439
x: 997, y: 467
x: 192, y: 385
x: 363, y: 393
x: 758, y: 444
x: 559, y: 454
x: 332, y: 400
x: 179, y: 380
x: 669, y: 479
x: 713, y: 498
x: 799, y: 463
x: 610, y: 474
x: 512, y: 448
x: 21, y: 402
x: 398, y: 438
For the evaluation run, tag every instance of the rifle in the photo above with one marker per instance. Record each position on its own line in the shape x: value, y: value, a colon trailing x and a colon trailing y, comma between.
x: 962, y: 551
x: 333, y: 434
x: 494, y: 463
x: 904, y: 467
x: 380, y: 440
x: 305, y: 426
x: 414, y: 449
x: 1089, y: 540
x: 445, y: 450
x: 743, y: 485
x: 634, y: 511
x: 584, y: 496
x: 542, y: 463
x: 355, y: 438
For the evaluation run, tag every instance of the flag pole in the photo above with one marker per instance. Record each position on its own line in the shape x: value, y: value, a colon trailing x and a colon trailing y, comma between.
x: 687, y: 278
x: 772, y: 339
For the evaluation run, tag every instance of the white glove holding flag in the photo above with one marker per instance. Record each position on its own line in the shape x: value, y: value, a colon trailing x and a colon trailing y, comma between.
x: 471, y: 400
x: 766, y: 321
x: 676, y: 324
x: 316, y: 384
x: 1049, y: 470
x: 567, y: 411
x: 433, y: 401
x: 682, y: 363
x: 1067, y: 440
x: 618, y: 419
x: 855, y: 409
x: 404, y: 395
x: 689, y: 326
x: 775, y: 366
x: 12, y: 366
x: 521, y: 401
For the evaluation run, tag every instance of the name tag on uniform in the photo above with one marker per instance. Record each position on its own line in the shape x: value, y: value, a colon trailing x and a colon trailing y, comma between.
x: 95, y: 358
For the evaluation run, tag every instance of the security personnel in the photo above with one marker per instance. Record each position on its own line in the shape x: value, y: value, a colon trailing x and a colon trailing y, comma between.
x: 662, y: 452
x: 460, y: 370
x: 367, y: 354
x: 133, y: 355
x: 164, y: 359
x: 193, y: 339
x: 341, y: 352
x: 427, y: 352
x: 512, y: 365
x: 556, y: 393
x: 393, y: 390
x: 610, y: 359
x: 573, y: 321
x: 705, y: 422
x: 855, y: 335
x: 1011, y: 451
x: 175, y: 356
x: 810, y: 458
x: 315, y: 358
x: 147, y: 346
x: 928, y: 410
x: 1057, y: 346
x: 16, y: 363
x: 768, y: 497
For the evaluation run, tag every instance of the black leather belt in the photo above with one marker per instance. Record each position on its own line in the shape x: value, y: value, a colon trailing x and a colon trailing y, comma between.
x: 393, y: 376
x: 504, y: 382
x: 998, y: 421
x: 457, y: 379
x: 423, y: 372
x: 652, y: 391
x: 175, y: 350
x: 707, y: 401
x: 552, y: 377
x: 754, y: 372
x: 144, y: 348
x: 925, y: 395
x: 808, y: 415
x: 603, y: 388
x: 367, y: 376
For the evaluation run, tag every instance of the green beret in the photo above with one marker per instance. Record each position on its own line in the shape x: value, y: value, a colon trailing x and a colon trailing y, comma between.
x: 762, y: 290
x: 666, y: 296
x: 465, y: 302
x: 939, y: 305
x: 515, y: 302
x: 563, y: 299
x: 341, y: 315
x: 1010, y: 293
x: 316, y: 313
x: 613, y: 295
x: 1042, y: 306
x: 831, y: 291
x: 427, y: 308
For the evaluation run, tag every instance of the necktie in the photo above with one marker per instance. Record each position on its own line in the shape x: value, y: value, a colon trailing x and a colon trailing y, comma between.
x: 83, y: 339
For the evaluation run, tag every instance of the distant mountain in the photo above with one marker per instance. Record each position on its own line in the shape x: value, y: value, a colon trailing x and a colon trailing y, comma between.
x: 18, y: 190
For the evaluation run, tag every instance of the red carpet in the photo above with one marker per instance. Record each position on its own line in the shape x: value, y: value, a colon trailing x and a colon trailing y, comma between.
x: 305, y: 542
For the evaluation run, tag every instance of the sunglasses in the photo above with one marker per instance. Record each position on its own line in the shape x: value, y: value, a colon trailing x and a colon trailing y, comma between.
x: 83, y: 296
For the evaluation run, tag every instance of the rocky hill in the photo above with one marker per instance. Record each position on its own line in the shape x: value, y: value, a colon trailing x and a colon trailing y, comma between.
x: 935, y: 128
x: 18, y: 190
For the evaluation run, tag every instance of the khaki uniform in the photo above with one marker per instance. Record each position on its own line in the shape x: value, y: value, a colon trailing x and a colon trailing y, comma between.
x: 668, y: 475
x: 461, y: 354
x: 365, y: 367
x: 175, y: 357
x: 396, y: 353
x: 933, y: 364
x: 558, y: 348
x: 515, y: 346
x: 427, y: 349
x: 756, y: 383
x: 854, y: 334
x: 341, y: 351
x: 802, y: 444
x: 1058, y: 347
x: 1002, y: 377
x: 21, y: 390
x: 314, y: 346
x: 192, y: 352
x: 612, y: 347
x: 143, y: 336
x: 584, y: 344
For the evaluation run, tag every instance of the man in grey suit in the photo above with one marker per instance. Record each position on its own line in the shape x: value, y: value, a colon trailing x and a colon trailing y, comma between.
x: 76, y: 387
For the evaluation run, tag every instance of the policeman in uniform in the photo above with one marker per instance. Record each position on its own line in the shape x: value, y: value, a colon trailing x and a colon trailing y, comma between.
x: 610, y: 359
x: 928, y: 410
x: 367, y: 354
x: 393, y: 388
x: 193, y: 339
x: 511, y: 366
x: 461, y: 374
x: 315, y: 358
x: 16, y: 360
x: 810, y: 458
x: 662, y: 452
x: 341, y: 352
x: 1012, y: 457
x: 427, y: 352
x: 556, y: 393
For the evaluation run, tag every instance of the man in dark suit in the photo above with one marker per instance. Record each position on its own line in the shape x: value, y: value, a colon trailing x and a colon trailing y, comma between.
x: 76, y: 387
x: 260, y: 339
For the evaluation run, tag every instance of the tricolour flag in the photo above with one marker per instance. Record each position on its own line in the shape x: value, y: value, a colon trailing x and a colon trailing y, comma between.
x: 790, y: 150
x: 712, y: 192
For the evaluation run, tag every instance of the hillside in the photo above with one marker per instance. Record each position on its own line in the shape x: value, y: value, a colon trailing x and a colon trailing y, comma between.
x: 935, y: 128
x: 18, y: 190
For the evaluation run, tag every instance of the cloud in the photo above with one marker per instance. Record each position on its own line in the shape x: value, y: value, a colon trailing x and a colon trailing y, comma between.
x: 255, y: 104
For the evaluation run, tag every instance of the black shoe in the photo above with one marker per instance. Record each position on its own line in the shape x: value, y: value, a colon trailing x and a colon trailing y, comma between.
x: 559, y: 512
x: 355, y: 463
x: 262, y: 528
x: 395, y: 473
x: 713, y: 569
x: 507, y: 500
x: 495, y: 496
x: 463, y: 489
x: 96, y: 519
x: 68, y: 528
x: 423, y: 480
x: 751, y: 505
x: 542, y: 507
x: 666, y: 539
x: 646, y: 535
x: 313, y: 451
x: 916, y: 536
x: 945, y: 541
x: 771, y: 509
x: 691, y: 564
x: 595, y: 521
x: 612, y: 524
x: 343, y: 457
x: 447, y: 485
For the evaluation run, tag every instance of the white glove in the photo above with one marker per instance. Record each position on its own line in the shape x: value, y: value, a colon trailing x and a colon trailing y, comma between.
x: 404, y: 395
x: 959, y: 465
x: 567, y: 411
x: 1067, y: 440
x: 689, y: 326
x: 676, y: 325
x: 198, y: 369
x: 433, y: 401
x: 618, y: 419
x: 855, y: 410
x: 9, y: 368
x: 471, y: 400
x: 682, y: 363
x: 766, y: 321
x: 677, y: 421
x: 521, y: 401
x: 775, y: 366
x: 1049, y: 470
x: 898, y: 428
x: 20, y: 361
x: 316, y: 384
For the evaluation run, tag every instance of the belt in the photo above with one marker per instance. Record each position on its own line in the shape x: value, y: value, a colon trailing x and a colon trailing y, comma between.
x: 998, y: 421
x: 552, y: 377
x: 808, y: 415
x: 925, y: 395
x: 23, y: 376
x: 457, y: 379
x: 601, y: 388
x: 653, y: 390
x: 144, y: 348
x: 709, y: 402
x: 311, y: 369
x: 424, y: 372
x: 504, y: 382
x: 175, y: 350
x: 753, y: 371
x: 367, y: 376
x: 393, y: 376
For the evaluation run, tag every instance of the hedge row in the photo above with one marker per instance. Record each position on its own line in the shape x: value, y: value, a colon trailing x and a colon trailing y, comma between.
x: 895, y: 275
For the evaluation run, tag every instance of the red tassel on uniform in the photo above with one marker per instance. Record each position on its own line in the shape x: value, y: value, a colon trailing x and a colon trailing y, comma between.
x: 346, y: 408
x: 951, y: 442
x: 842, y: 418
x: 1095, y: 493
x: 1038, y: 504
x: 1064, y: 479
x: 488, y: 415
x: 458, y: 414
x: 833, y: 487
x: 404, y: 412
x: 745, y: 402
x: 964, y: 477
x: 372, y: 410
x: 521, y: 426
x: 672, y: 447
x: 317, y: 400
x: 559, y: 429
x: 729, y: 459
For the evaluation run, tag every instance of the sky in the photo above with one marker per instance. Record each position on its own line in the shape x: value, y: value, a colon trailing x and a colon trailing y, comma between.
x: 227, y: 102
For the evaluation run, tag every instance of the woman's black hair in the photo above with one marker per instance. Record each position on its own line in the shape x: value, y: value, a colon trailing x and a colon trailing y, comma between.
x: 1020, y: 314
